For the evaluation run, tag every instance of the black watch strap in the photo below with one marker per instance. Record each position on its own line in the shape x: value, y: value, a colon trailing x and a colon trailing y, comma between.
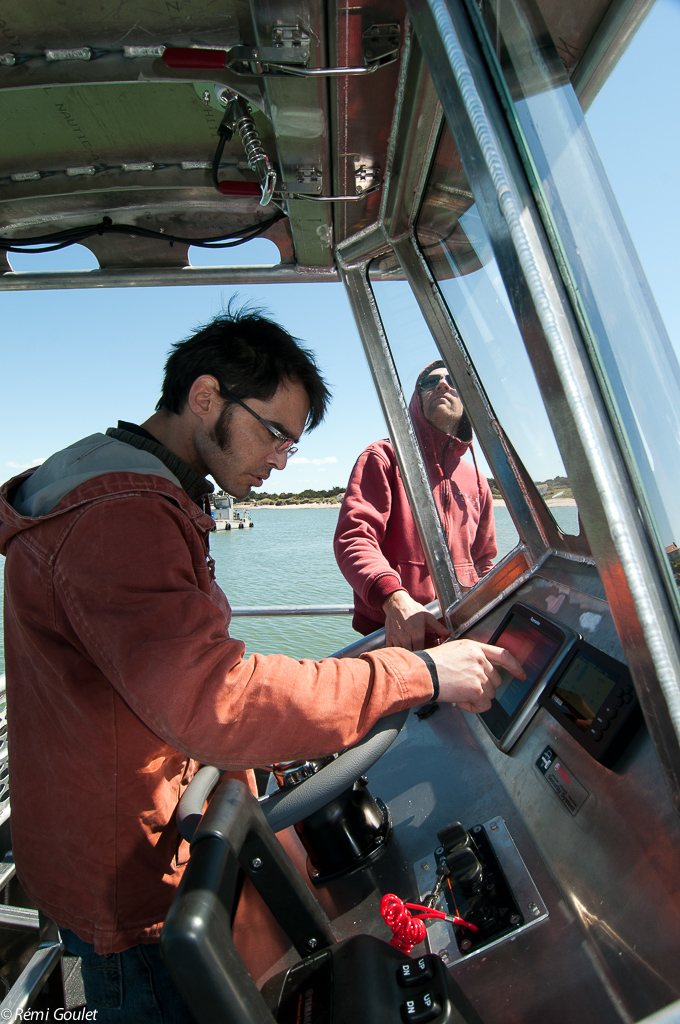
x: 424, y: 656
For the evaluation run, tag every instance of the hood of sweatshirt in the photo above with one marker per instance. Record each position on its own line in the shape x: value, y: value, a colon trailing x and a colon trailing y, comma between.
x: 91, y: 468
x: 434, y: 442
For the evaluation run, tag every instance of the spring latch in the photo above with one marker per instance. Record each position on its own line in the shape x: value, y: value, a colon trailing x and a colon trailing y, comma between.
x: 237, y: 118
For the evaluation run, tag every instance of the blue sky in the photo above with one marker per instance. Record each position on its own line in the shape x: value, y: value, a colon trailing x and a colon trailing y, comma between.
x: 76, y: 361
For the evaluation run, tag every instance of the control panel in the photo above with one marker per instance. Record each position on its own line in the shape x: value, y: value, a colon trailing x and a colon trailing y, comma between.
x: 588, y: 692
x: 592, y: 696
x: 479, y: 882
x: 537, y: 643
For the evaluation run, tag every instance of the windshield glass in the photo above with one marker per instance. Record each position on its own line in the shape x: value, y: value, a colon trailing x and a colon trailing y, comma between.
x: 457, y: 249
x: 630, y: 348
x: 412, y: 349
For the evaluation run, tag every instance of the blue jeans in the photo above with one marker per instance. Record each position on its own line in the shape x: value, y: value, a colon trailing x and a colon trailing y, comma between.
x: 132, y: 987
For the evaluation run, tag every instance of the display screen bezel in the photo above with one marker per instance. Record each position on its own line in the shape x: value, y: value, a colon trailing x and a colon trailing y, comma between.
x: 506, y: 726
x: 614, y: 735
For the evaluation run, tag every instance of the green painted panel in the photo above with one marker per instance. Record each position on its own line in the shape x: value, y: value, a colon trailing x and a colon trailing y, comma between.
x: 59, y: 126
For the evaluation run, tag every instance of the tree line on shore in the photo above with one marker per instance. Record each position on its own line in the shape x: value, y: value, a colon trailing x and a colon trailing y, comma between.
x: 305, y: 497
x: 556, y: 486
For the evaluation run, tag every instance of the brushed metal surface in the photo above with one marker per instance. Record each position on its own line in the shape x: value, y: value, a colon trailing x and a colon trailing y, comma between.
x: 440, y: 936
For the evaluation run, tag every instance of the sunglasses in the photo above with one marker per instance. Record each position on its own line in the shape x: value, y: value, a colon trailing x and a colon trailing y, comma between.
x: 287, y: 444
x: 430, y: 383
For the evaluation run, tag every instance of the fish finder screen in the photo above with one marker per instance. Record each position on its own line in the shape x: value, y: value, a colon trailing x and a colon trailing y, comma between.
x: 534, y: 650
x: 584, y: 688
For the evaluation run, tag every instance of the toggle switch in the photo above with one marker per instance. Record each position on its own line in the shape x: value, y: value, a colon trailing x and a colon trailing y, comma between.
x: 421, y: 1009
x: 466, y: 870
x: 415, y: 972
x: 453, y: 838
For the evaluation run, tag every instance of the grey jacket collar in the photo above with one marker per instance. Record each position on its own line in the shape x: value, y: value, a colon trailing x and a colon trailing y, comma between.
x: 190, y: 479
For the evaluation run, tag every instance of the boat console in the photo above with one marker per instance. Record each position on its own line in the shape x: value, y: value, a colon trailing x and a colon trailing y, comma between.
x: 518, y: 830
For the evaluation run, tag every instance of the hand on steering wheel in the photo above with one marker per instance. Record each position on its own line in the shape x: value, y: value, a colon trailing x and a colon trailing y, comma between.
x: 291, y: 805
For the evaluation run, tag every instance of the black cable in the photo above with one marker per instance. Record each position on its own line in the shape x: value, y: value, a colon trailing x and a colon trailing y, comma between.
x: 215, y: 166
x: 71, y: 236
x: 226, y: 134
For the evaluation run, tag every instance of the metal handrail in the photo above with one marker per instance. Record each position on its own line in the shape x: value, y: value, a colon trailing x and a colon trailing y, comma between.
x: 291, y: 609
x: 31, y: 980
x: 262, y: 611
x: 19, y: 917
x: 372, y: 642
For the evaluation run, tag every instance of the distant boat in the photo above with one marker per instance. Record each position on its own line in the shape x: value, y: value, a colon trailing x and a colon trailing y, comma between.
x: 225, y: 516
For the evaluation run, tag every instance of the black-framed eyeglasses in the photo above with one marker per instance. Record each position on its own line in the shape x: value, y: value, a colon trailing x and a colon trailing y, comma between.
x: 287, y: 444
x: 430, y: 383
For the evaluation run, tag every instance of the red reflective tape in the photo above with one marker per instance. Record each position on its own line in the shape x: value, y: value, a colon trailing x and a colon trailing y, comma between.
x: 194, y: 58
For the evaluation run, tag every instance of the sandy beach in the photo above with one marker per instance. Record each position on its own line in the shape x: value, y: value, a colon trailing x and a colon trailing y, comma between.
x: 310, y: 504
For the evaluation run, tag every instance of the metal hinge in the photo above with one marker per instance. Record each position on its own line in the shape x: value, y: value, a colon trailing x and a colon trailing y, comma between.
x: 289, y: 52
x: 308, y: 181
x: 309, y: 185
x: 367, y: 179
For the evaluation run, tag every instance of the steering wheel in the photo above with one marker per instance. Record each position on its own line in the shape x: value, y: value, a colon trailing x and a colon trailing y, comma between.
x: 290, y: 805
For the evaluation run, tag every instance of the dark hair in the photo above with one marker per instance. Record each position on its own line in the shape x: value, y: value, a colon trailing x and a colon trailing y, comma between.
x: 250, y: 355
x: 436, y: 365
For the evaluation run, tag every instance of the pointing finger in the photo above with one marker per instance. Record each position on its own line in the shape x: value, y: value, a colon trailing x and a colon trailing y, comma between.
x: 501, y: 658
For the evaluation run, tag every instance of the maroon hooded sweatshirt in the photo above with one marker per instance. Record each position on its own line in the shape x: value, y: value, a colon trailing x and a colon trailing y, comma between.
x: 376, y: 544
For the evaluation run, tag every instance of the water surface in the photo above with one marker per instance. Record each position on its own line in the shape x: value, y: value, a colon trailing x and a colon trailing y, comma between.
x: 287, y: 559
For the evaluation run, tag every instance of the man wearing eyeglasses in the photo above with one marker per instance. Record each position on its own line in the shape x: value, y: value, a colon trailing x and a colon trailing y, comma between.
x: 377, y: 546
x: 122, y: 675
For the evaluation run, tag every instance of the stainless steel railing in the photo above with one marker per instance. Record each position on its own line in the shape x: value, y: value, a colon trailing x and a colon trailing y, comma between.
x: 291, y: 609
x: 372, y: 642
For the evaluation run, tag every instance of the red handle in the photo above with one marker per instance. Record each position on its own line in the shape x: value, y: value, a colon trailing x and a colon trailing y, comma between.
x: 239, y: 188
x: 195, y: 58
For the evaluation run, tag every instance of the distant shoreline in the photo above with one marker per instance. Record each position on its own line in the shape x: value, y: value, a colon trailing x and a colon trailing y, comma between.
x: 497, y: 503
x: 310, y: 504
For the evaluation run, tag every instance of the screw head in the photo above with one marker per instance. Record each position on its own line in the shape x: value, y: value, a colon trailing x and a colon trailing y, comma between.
x: 312, y: 943
x: 256, y: 863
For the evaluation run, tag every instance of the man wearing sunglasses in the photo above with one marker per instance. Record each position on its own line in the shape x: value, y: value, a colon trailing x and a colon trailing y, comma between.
x: 377, y: 546
x: 121, y: 671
